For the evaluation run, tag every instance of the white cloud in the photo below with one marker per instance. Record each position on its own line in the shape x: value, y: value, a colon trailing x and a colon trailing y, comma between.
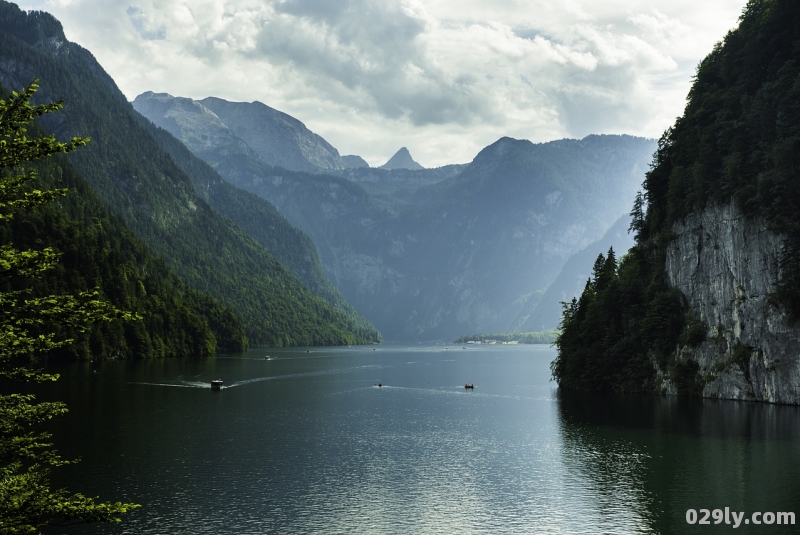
x: 442, y: 77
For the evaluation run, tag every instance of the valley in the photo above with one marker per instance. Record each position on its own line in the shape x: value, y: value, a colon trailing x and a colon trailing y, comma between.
x: 479, y: 305
x: 431, y: 254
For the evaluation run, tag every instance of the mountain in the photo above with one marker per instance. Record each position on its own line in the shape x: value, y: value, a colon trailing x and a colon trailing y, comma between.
x: 151, y: 194
x: 401, y: 160
x: 473, y: 247
x: 572, y: 278
x: 195, y: 125
x: 239, y: 128
x: 277, y: 138
x: 203, y: 132
x: 261, y: 221
x: 397, y: 186
x: 97, y: 251
x: 352, y: 161
x: 707, y: 302
x: 452, y: 249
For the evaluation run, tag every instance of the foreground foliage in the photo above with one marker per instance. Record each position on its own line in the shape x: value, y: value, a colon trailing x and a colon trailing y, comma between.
x: 31, y: 325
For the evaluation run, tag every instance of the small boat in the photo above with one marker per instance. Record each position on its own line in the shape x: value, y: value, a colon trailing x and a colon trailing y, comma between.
x: 469, y: 385
x: 216, y: 384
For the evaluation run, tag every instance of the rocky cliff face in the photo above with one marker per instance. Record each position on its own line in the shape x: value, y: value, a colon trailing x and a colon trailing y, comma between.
x: 727, y: 267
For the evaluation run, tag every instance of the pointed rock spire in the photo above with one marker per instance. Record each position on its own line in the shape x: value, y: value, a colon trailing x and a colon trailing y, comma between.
x: 401, y: 160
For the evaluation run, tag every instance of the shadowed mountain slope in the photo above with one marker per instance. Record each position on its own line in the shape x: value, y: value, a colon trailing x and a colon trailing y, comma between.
x: 144, y: 187
x: 571, y: 281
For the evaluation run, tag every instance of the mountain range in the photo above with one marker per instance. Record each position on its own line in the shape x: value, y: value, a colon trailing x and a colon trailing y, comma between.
x: 247, y: 205
x: 429, y: 254
x: 153, y: 196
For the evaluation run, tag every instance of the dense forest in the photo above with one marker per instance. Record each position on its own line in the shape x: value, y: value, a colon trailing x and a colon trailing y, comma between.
x: 738, y: 141
x: 97, y: 251
x: 261, y: 221
x: 144, y: 187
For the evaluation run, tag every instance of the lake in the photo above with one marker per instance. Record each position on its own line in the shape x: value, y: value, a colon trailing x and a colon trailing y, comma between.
x: 308, y: 443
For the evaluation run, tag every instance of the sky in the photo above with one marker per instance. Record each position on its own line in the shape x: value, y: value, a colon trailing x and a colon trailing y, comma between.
x: 444, y: 78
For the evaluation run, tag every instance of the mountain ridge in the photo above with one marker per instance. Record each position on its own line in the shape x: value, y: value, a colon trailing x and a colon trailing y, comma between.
x: 400, y: 235
x: 155, y: 199
x: 276, y: 137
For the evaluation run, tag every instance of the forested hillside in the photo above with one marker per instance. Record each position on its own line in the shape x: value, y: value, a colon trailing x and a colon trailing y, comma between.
x: 738, y: 142
x: 99, y: 252
x: 261, y: 221
x: 145, y: 188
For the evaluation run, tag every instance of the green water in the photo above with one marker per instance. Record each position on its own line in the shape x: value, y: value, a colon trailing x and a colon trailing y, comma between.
x: 307, y: 443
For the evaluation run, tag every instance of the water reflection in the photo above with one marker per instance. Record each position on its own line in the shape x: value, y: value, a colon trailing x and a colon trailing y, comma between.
x: 648, y: 459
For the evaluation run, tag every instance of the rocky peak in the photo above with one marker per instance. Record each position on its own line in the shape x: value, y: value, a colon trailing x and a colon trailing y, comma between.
x: 353, y: 161
x: 278, y: 138
x: 401, y: 160
x: 199, y: 128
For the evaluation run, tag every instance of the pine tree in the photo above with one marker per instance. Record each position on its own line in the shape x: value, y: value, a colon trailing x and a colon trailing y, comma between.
x: 637, y: 216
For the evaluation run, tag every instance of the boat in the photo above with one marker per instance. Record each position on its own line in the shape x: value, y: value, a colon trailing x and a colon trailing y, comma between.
x: 469, y: 385
x: 216, y: 384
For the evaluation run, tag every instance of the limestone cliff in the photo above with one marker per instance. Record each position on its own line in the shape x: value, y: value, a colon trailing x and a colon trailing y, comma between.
x: 727, y: 267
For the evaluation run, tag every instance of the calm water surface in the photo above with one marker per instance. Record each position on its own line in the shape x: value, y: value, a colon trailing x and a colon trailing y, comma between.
x: 307, y: 443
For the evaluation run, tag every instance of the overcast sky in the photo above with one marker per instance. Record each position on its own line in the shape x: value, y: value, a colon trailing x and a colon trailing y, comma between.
x: 443, y: 77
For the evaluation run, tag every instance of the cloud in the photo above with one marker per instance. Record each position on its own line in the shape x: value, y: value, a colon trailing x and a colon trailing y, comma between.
x: 443, y: 77
x: 137, y: 18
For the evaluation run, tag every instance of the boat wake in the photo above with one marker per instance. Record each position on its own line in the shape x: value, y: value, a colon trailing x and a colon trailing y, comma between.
x: 304, y: 374
x: 207, y: 384
x: 182, y: 384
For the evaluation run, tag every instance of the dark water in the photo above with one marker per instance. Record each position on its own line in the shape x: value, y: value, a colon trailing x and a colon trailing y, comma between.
x: 306, y: 443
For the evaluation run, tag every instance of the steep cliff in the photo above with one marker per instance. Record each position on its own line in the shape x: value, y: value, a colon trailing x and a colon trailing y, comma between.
x: 727, y: 266
x: 707, y: 303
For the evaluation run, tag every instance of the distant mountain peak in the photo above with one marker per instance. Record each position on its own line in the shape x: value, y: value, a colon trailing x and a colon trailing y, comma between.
x: 354, y: 161
x: 502, y: 147
x: 401, y: 160
x: 152, y: 94
x: 278, y: 138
